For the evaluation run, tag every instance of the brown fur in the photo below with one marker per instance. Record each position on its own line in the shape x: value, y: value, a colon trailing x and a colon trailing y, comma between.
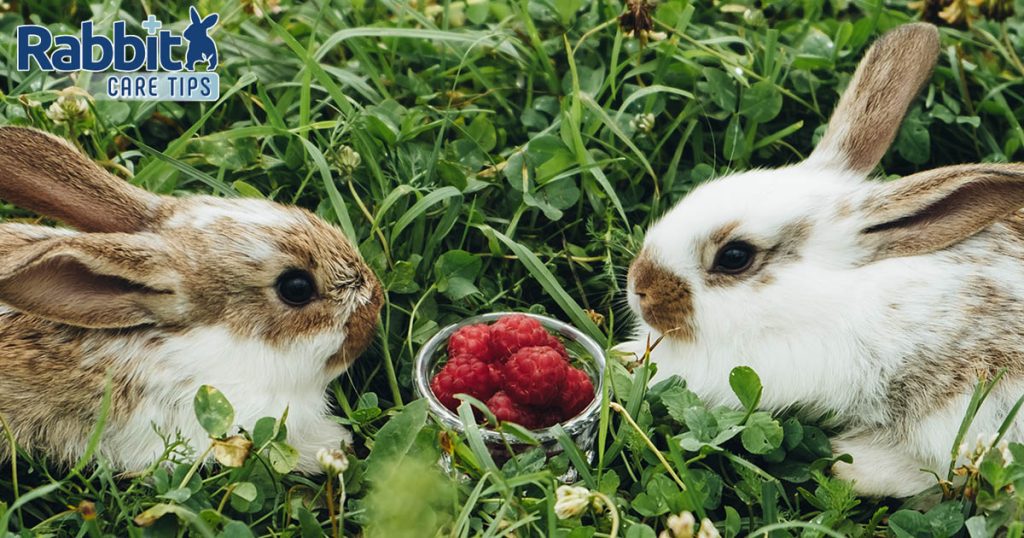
x: 160, y: 267
x: 359, y: 331
x: 870, y: 112
x: 932, y: 210
x: 238, y: 288
x: 978, y: 351
x: 77, y: 191
x: 105, y: 280
x: 784, y: 249
x: 665, y: 299
x: 51, y: 397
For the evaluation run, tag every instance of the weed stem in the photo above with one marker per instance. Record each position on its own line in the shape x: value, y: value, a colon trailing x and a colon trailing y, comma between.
x: 650, y: 444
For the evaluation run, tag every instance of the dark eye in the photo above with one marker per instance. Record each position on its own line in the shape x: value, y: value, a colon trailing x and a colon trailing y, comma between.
x: 735, y: 257
x: 296, y: 288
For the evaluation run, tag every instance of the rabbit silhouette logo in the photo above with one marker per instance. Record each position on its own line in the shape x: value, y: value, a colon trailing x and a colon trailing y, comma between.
x: 201, y: 47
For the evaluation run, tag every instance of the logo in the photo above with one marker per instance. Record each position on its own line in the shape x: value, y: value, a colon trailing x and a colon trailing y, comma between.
x: 136, y: 68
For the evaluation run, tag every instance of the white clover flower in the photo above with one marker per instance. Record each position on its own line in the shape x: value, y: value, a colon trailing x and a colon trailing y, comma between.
x: 707, y: 529
x: 642, y: 123
x: 262, y: 7
x: 68, y: 109
x: 571, y: 501
x: 456, y: 13
x: 753, y: 17
x: 1004, y: 449
x: 333, y: 462
x: 347, y: 160
x: 681, y: 525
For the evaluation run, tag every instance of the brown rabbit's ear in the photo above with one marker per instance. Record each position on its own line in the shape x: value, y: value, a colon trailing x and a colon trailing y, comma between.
x: 46, y: 174
x: 95, y: 281
x: 932, y: 210
x: 872, y: 108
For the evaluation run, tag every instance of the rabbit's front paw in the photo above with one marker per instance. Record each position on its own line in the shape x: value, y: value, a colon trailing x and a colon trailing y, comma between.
x: 880, y: 470
x: 327, y: 434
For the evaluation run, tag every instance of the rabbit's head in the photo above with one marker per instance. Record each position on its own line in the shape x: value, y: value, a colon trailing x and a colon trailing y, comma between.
x: 264, y: 272
x: 777, y: 254
x: 199, y: 26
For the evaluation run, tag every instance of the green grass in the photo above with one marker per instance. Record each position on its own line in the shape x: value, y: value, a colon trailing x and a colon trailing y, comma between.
x: 511, y: 153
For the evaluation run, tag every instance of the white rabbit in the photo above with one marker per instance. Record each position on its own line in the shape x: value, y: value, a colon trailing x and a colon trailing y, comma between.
x: 879, y: 302
x: 265, y: 302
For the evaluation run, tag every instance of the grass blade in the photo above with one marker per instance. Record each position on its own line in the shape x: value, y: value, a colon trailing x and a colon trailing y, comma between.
x: 547, y: 280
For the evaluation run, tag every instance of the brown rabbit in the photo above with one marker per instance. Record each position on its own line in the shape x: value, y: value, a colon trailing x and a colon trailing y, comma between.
x: 265, y: 302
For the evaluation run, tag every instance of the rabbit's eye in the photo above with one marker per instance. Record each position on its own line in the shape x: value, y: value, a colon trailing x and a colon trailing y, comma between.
x: 296, y: 288
x: 734, y: 257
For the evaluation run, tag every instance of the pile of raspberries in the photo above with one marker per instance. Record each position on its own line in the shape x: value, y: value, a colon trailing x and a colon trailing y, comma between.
x: 519, y: 369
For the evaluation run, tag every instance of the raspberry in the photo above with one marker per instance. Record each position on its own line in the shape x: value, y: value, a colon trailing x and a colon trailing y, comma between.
x: 473, y: 340
x: 466, y: 375
x: 535, y: 375
x: 512, y: 333
x: 507, y: 410
x: 556, y: 344
x: 577, y: 393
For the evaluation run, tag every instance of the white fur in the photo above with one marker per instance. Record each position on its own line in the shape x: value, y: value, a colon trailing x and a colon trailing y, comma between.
x: 830, y: 332
x: 259, y: 381
x: 879, y: 469
x: 33, y: 232
x: 882, y: 468
x: 238, y: 210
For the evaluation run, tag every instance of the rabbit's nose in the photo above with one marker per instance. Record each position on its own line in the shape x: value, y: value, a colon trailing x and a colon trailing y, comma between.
x: 652, y: 280
x: 664, y: 298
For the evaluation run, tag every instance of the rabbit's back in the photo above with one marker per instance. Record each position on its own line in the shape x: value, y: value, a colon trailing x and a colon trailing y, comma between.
x: 970, y: 330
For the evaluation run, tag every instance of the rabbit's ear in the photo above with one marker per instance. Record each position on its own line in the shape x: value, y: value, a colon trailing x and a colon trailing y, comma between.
x: 194, y: 15
x: 872, y: 108
x: 932, y: 210
x: 47, y: 175
x: 95, y: 281
x: 210, y: 21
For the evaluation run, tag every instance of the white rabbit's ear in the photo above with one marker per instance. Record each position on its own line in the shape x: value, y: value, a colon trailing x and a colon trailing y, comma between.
x: 872, y: 108
x: 46, y: 174
x: 932, y: 210
x: 95, y: 281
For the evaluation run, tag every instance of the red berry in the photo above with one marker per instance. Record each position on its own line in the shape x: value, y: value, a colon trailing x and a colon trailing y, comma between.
x: 577, y: 393
x: 507, y: 410
x: 473, y: 340
x: 514, y: 332
x: 534, y: 376
x: 466, y: 375
x: 556, y: 344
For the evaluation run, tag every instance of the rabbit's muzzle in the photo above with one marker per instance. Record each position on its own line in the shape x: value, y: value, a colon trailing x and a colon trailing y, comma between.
x: 661, y: 298
x: 360, y: 328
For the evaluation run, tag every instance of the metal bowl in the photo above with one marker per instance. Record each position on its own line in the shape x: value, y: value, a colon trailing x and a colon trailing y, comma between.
x: 583, y: 350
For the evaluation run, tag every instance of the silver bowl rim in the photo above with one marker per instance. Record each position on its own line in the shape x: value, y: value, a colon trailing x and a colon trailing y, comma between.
x: 573, y: 426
